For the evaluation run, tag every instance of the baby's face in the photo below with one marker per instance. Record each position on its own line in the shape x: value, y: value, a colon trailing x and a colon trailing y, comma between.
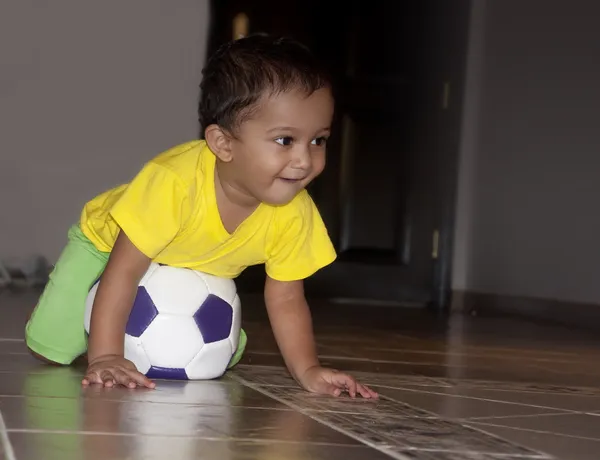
x: 281, y: 148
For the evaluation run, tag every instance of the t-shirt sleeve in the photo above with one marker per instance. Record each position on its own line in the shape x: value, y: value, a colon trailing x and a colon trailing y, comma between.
x: 300, y: 244
x: 153, y: 209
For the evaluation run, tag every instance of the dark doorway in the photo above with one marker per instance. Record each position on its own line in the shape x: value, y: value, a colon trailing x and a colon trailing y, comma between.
x: 387, y: 194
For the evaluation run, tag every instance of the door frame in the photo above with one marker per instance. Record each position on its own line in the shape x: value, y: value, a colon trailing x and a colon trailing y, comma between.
x: 453, y: 20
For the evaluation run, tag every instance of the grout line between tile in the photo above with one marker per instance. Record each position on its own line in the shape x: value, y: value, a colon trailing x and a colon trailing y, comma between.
x: 139, y: 401
x: 299, y: 409
x: 482, y: 426
x: 5, y: 443
x: 401, y: 386
x: 356, y: 358
x: 182, y: 436
x: 390, y: 414
x: 478, y: 354
x: 557, y: 409
x: 500, y: 417
x: 482, y: 453
x: 468, y: 349
x: 496, y: 385
x: 11, y: 340
x: 466, y: 384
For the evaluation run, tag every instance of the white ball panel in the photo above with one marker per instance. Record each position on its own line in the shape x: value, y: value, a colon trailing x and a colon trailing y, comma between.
x: 172, y: 341
x: 236, y: 324
x: 151, y: 269
x: 211, y: 362
x: 89, y: 301
x: 134, y: 352
x: 176, y: 291
x: 222, y: 287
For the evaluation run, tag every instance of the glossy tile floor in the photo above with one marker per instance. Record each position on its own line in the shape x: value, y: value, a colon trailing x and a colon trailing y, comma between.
x: 462, y: 388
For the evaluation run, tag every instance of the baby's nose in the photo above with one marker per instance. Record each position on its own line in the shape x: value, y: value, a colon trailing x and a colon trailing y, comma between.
x: 301, y: 158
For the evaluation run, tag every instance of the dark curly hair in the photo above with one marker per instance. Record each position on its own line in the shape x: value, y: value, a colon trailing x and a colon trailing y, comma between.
x: 242, y: 71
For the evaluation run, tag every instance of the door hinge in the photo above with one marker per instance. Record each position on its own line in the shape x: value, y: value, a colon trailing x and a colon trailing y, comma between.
x: 435, y: 244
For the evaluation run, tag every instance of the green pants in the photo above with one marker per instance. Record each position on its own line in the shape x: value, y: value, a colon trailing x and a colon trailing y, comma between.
x: 55, y: 329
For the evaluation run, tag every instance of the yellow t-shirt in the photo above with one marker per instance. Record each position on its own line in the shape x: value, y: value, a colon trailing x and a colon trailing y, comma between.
x: 169, y: 212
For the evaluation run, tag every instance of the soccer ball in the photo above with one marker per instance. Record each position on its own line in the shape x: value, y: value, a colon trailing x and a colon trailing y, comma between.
x: 184, y: 324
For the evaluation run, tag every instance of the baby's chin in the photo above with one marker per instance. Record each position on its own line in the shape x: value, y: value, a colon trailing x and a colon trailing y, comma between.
x: 280, y: 199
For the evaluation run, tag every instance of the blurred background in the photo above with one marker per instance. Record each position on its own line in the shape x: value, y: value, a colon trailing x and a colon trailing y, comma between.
x: 464, y: 170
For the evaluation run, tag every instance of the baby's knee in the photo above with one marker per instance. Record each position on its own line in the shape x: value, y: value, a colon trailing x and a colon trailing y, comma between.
x: 43, y: 358
x: 33, y: 353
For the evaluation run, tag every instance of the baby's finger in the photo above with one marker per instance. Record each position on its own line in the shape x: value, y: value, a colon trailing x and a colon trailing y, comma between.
x: 351, y: 386
x: 333, y: 390
x: 366, y: 392
x: 107, y: 378
x: 91, y: 378
x: 374, y: 394
x: 347, y: 382
x: 141, y: 380
x: 122, y: 378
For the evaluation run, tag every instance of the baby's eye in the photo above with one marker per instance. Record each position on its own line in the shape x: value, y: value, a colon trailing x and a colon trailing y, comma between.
x: 287, y: 140
x: 319, y: 141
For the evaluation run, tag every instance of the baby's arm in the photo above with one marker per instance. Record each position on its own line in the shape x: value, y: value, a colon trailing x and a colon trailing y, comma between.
x: 112, y: 306
x: 291, y: 321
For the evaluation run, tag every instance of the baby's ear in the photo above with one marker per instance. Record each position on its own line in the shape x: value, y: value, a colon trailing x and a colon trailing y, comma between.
x: 219, y: 142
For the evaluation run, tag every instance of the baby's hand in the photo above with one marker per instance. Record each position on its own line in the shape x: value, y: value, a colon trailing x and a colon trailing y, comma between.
x: 329, y: 381
x: 115, y: 370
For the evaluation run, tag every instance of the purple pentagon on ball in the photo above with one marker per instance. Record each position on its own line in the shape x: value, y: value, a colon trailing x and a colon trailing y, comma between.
x: 214, y: 319
x: 165, y: 373
x: 142, y: 314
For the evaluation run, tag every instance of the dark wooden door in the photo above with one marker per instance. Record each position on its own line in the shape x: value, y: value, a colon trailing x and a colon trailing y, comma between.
x: 385, y: 195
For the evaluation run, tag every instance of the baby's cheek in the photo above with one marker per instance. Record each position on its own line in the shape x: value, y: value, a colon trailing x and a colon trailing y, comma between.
x: 318, y: 165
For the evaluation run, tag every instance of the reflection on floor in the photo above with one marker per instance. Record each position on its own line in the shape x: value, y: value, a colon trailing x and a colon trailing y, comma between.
x: 465, y: 388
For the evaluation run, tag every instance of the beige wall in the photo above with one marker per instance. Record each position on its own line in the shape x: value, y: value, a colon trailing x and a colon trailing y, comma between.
x: 89, y: 90
x: 528, y: 221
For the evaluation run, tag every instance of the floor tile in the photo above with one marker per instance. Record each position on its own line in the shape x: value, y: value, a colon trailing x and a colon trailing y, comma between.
x: 13, y: 347
x: 548, y: 401
x: 66, y: 383
x: 563, y: 447
x: 128, y: 417
x: 457, y: 406
x: 24, y: 363
x: 399, y: 380
x: 414, y: 348
x: 279, y: 376
x: 425, y: 435
x: 575, y: 425
x: 52, y: 446
x: 315, y: 404
x: 442, y: 357
x: 265, y: 375
x: 524, y: 387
